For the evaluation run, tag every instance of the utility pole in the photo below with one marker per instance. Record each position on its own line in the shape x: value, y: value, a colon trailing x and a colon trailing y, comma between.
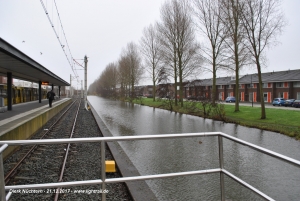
x: 70, y: 85
x: 85, y: 81
x: 81, y: 90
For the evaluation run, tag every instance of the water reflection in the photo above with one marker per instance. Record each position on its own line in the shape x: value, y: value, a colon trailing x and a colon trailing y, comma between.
x: 279, y: 180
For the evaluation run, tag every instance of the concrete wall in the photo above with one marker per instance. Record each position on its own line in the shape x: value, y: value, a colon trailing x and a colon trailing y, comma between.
x: 27, y: 128
x: 139, y: 190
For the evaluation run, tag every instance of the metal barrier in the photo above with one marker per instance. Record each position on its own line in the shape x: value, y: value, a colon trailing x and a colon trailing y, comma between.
x: 103, y: 179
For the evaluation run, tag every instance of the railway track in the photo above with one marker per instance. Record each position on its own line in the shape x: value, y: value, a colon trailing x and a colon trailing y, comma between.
x: 66, y: 155
x: 24, y: 169
x: 14, y: 170
x: 54, y: 163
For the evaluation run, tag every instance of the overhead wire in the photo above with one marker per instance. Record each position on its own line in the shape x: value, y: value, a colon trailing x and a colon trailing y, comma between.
x: 63, y: 31
x: 61, y: 45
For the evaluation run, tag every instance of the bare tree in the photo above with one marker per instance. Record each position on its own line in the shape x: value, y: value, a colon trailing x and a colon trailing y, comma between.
x: 124, y: 75
x: 151, y: 50
x: 263, y: 22
x: 111, y: 77
x: 92, y: 90
x: 210, y: 25
x: 178, y: 40
x: 107, y: 81
x: 168, y: 40
x: 133, y: 64
x: 238, y: 54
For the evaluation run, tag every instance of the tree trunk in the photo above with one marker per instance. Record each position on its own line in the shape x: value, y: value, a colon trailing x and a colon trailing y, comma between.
x: 154, y: 85
x: 175, y: 75
x: 214, y: 82
x: 237, y: 74
x: 180, y: 80
x: 262, y: 101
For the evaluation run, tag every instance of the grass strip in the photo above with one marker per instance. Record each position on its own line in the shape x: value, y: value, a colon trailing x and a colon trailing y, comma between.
x: 278, y: 120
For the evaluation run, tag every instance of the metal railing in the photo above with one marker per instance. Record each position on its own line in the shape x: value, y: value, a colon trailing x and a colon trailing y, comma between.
x: 103, y: 179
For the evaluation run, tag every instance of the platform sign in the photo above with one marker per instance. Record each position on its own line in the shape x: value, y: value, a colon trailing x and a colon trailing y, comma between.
x: 45, y: 83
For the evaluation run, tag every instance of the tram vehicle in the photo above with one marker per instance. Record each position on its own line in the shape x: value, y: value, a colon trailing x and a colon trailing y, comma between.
x: 21, y: 94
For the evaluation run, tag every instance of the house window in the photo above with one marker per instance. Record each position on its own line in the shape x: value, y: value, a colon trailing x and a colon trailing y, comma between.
x: 229, y: 86
x: 265, y: 85
x: 280, y: 95
x: 220, y: 86
x: 296, y: 84
x: 220, y: 96
x: 298, y: 95
x: 265, y: 97
x: 279, y: 85
x: 250, y: 97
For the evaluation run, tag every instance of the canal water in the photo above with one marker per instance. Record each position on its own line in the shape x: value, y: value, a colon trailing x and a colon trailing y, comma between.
x: 279, y: 180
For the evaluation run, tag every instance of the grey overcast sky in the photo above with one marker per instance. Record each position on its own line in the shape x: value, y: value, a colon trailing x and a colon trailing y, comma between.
x: 101, y: 28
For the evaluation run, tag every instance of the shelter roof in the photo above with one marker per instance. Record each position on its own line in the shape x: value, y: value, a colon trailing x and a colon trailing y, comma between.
x: 23, y: 67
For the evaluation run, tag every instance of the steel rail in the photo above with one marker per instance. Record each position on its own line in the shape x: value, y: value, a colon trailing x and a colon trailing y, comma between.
x: 137, y: 178
x: 150, y: 137
x: 13, y: 170
x: 3, y: 147
x: 66, y: 154
x: 247, y: 185
x: 263, y: 150
x: 106, y: 139
x: 112, y: 180
x: 2, y: 183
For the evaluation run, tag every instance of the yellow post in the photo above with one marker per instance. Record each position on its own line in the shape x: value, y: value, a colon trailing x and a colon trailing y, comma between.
x: 110, y: 166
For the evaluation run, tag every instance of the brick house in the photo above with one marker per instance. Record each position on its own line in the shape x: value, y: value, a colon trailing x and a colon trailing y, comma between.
x: 284, y: 84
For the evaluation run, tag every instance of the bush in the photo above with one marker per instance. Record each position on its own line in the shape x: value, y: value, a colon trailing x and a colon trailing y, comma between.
x: 218, y: 112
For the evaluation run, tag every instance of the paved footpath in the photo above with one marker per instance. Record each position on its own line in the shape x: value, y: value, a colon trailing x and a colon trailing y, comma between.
x: 267, y: 105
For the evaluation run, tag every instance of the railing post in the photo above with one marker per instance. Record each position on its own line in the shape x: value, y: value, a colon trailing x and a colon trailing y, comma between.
x: 221, y: 162
x: 103, y: 176
x: 2, y: 182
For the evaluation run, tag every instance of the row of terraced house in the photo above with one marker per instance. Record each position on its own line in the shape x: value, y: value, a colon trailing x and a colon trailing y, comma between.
x: 281, y: 84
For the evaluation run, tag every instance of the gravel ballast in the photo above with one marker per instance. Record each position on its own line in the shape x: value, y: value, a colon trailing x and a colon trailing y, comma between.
x: 83, y: 163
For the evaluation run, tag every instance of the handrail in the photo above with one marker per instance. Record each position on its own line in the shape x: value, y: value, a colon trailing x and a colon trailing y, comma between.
x: 106, y: 139
x: 103, y: 179
x: 263, y: 150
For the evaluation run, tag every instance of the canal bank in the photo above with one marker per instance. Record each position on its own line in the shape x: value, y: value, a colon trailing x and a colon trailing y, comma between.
x: 283, y: 120
x: 276, y: 179
x: 139, y: 190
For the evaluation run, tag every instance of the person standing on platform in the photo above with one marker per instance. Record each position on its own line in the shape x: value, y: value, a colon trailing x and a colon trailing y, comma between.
x: 50, y: 96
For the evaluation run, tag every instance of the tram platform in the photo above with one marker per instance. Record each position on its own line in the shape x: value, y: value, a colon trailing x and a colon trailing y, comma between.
x: 26, y: 118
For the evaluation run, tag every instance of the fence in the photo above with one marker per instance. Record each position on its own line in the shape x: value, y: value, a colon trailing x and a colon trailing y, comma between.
x: 103, y: 179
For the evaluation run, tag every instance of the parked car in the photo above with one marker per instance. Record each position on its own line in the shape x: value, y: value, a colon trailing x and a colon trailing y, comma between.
x: 278, y: 101
x: 148, y: 95
x: 296, y: 103
x: 289, y: 102
x: 201, y: 98
x: 190, y: 97
x: 230, y: 99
